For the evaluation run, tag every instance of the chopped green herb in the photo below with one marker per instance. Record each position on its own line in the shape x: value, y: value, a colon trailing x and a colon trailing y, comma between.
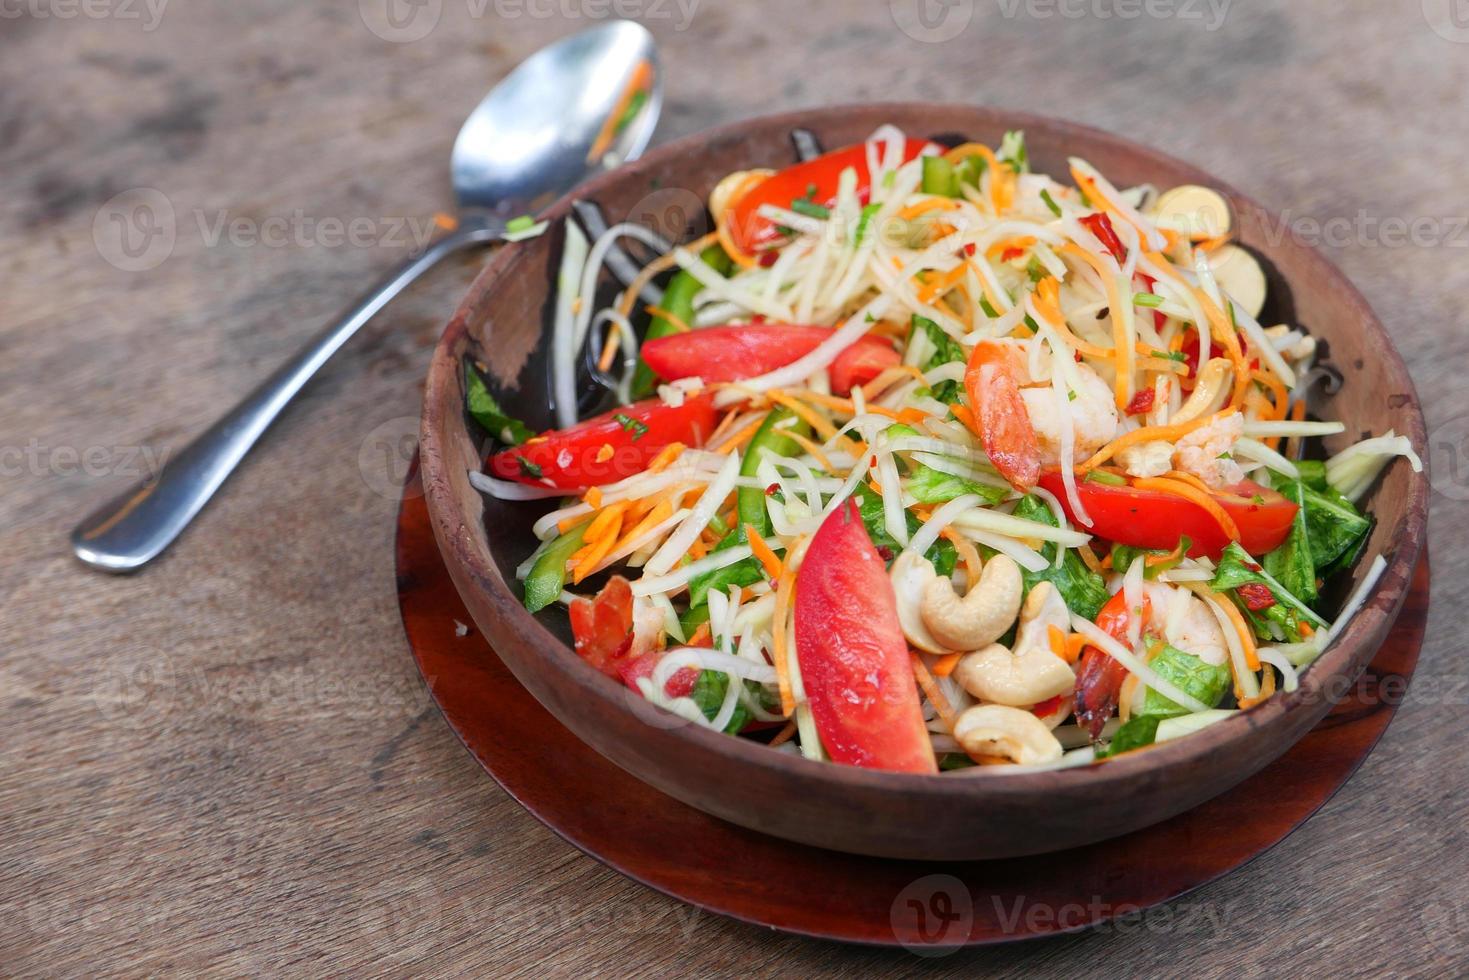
x: 1014, y: 152
x: 523, y: 223
x: 1150, y: 300
x: 989, y: 311
x: 1051, y: 203
x: 809, y: 208
x: 630, y: 424
x: 868, y: 212
x: 527, y: 468
x: 939, y: 177
x: 1103, y: 477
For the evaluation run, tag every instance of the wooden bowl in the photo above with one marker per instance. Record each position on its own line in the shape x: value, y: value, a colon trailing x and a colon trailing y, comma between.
x: 505, y: 322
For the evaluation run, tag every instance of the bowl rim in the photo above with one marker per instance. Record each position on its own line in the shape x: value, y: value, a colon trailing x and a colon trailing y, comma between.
x: 1367, y: 626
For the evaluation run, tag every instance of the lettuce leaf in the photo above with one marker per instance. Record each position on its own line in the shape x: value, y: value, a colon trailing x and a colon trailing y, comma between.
x: 946, y: 351
x: 1206, y: 682
x: 930, y: 486
x: 1137, y: 733
x: 941, y: 554
x: 487, y: 412
x: 1085, y: 591
x: 1237, y: 568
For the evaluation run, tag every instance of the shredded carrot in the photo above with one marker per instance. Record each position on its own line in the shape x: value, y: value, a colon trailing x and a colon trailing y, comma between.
x: 1225, y: 334
x: 1048, y: 304
x: 1169, y: 433
x: 944, y: 666
x: 673, y: 320
x: 593, y: 498
x: 744, y: 435
x: 445, y: 222
x: 600, y: 536
x: 1241, y: 628
x: 763, y: 553
x: 1190, y: 479
x: 925, y: 681
x: 1075, y: 644
x: 908, y: 416
x: 1089, y: 557
x: 942, y: 284
x: 1153, y: 561
x: 660, y: 511
x: 1212, y: 244
x: 1001, y: 187
x: 804, y: 413
x: 605, y: 452
x: 1194, y: 495
x: 1306, y: 629
x: 699, y: 549
x: 784, y: 735
x: 784, y: 589
x: 665, y: 456
x: 926, y: 205
x: 1122, y: 353
x: 1056, y: 637
x: 965, y: 416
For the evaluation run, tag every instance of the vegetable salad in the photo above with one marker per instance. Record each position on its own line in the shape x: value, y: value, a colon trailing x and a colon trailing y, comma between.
x: 924, y: 461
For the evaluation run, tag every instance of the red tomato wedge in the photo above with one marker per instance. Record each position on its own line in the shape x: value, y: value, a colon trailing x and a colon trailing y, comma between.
x: 1099, y: 678
x: 1153, y: 520
x: 607, y: 448
x: 860, y: 363
x: 737, y: 352
x: 999, y: 411
x: 854, y: 661
x: 602, y: 627
x: 814, y: 180
x: 680, y: 685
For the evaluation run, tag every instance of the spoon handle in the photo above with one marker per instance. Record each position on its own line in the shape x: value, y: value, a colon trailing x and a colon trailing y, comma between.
x: 136, y: 527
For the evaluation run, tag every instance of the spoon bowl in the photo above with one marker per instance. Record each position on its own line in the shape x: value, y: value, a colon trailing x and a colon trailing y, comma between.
x: 587, y: 103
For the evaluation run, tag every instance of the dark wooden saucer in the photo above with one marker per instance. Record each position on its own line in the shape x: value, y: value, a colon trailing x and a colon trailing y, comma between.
x: 927, y: 907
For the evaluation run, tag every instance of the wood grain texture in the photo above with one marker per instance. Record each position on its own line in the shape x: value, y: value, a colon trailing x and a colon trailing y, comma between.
x: 228, y: 763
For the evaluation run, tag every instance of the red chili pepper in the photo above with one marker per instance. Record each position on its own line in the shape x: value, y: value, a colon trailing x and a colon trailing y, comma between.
x: 1011, y: 254
x: 1047, y: 707
x: 1101, y: 226
x: 1142, y: 402
x: 970, y: 249
x: 1256, y: 596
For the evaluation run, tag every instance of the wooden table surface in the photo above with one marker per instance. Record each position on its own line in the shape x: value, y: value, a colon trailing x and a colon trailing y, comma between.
x: 228, y: 764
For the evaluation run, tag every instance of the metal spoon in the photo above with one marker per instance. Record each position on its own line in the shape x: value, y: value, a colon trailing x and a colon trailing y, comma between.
x: 586, y: 103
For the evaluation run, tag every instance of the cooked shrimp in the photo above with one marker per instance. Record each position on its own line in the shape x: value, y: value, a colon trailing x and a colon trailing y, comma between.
x: 1205, y: 452
x: 1093, y: 418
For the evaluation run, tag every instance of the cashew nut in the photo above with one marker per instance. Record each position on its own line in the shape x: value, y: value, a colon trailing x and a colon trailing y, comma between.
x: 910, y: 575
x: 1239, y: 274
x: 1198, y: 212
x: 982, y: 616
x: 997, y: 731
x: 719, y: 197
x: 1210, y: 391
x: 1031, y: 674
